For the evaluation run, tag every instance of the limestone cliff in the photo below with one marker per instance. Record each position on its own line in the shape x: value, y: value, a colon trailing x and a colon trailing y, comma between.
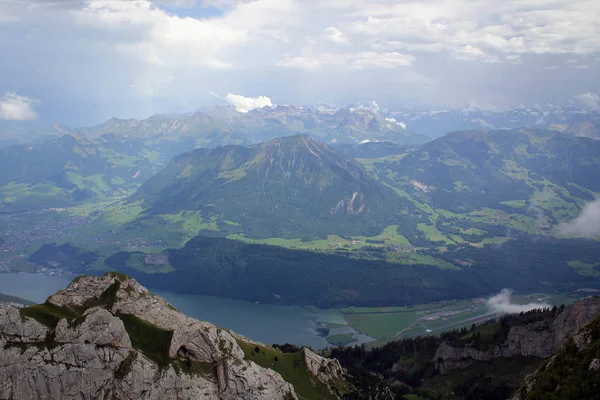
x: 110, y: 338
x: 573, y: 373
x: 541, y: 338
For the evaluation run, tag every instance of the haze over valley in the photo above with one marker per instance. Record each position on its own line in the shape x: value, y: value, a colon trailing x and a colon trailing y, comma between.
x: 356, y: 200
x: 461, y: 214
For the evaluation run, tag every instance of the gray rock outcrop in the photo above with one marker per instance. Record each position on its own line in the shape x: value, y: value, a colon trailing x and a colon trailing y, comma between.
x: 109, y: 338
x: 325, y: 369
x: 579, y: 347
x: 540, y: 339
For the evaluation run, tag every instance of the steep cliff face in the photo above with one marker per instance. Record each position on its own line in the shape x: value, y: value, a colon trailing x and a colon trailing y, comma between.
x: 540, y: 339
x: 573, y: 373
x: 109, y: 338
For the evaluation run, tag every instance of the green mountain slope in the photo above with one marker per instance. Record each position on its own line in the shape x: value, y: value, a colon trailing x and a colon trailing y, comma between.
x: 543, y: 176
x: 290, y: 187
x: 65, y: 171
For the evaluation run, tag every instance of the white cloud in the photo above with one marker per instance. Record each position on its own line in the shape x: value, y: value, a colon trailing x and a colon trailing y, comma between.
x: 177, y: 3
x: 17, y: 108
x: 161, y: 39
x: 394, y: 121
x: 587, y: 224
x: 502, y: 304
x: 300, y: 62
x: 474, y: 31
x: 470, y: 53
x: 335, y: 35
x: 514, y: 27
x: 552, y: 67
x: 590, y: 100
x: 583, y: 66
x: 381, y: 60
x: 7, y: 15
x: 362, y: 60
x: 7, y: 19
x: 245, y: 104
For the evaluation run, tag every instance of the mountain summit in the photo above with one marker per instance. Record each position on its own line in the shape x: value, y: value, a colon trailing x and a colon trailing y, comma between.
x: 289, y: 187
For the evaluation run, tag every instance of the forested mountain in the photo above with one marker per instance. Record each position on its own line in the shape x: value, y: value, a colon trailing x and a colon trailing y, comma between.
x: 289, y: 187
x: 272, y: 274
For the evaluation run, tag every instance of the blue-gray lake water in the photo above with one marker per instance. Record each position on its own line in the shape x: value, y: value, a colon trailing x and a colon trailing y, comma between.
x: 266, y: 323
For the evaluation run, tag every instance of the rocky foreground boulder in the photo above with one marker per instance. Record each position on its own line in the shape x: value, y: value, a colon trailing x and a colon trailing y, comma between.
x: 110, y: 338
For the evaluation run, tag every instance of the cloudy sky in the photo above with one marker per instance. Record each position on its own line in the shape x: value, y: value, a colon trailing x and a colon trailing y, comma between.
x: 80, y: 62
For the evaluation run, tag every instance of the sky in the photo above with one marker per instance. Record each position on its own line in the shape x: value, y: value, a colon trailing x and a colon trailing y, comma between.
x: 82, y: 62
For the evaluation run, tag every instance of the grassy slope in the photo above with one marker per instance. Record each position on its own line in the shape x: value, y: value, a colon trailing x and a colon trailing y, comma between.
x: 291, y: 366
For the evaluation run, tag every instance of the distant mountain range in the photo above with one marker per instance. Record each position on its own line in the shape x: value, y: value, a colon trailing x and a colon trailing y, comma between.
x: 436, y: 123
x: 217, y: 126
x: 221, y: 125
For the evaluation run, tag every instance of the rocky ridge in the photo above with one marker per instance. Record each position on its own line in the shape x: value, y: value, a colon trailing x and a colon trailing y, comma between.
x: 109, y: 337
x: 572, y: 373
x: 540, y: 339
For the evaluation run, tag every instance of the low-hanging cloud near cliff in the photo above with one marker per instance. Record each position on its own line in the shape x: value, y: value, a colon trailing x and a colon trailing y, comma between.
x: 502, y: 304
x: 587, y: 224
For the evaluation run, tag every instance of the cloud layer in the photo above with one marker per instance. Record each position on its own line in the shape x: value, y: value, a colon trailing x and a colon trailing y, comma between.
x: 502, y: 304
x: 587, y: 224
x: 140, y: 56
x: 17, y: 108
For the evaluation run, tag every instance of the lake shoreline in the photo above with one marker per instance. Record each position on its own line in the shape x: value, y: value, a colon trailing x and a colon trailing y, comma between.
x: 266, y: 323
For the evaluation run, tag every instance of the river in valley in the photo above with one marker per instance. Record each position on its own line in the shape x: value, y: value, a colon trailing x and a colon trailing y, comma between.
x: 266, y: 323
